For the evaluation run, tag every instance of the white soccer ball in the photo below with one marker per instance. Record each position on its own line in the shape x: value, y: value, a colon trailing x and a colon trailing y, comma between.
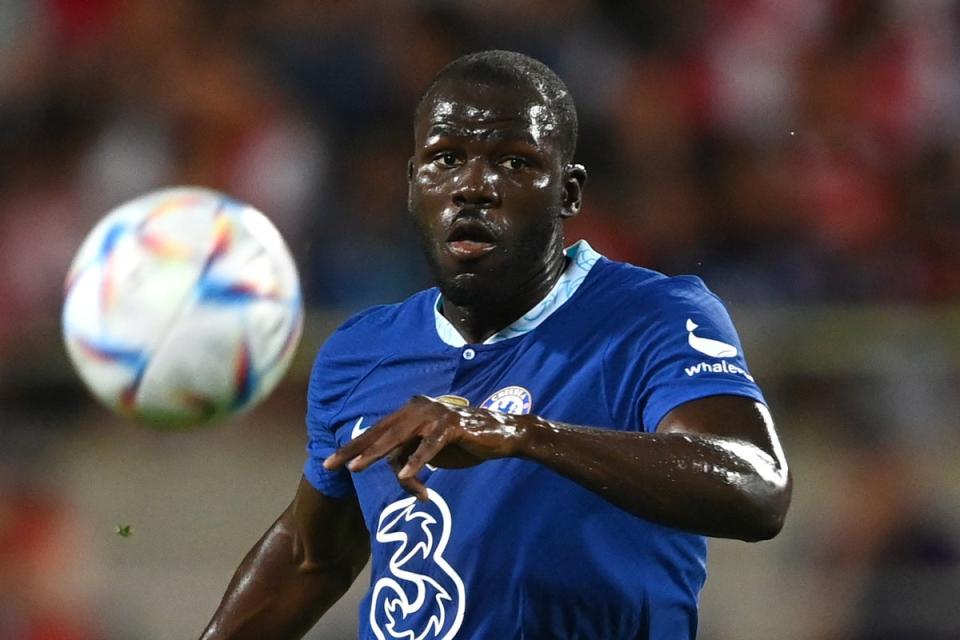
x: 182, y: 306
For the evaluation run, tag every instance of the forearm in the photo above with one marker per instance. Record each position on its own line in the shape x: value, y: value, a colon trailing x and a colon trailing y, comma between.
x: 278, y: 592
x: 711, y: 485
x: 714, y: 467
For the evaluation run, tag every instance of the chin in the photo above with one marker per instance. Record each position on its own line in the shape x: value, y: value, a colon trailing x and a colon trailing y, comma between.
x: 466, y: 290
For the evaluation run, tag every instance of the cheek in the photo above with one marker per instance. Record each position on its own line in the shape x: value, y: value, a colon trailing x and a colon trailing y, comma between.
x: 427, y: 183
x: 422, y: 189
x: 426, y: 201
x: 536, y: 192
x: 543, y: 183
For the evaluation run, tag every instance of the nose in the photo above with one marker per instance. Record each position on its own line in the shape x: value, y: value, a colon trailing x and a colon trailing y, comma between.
x: 477, y: 185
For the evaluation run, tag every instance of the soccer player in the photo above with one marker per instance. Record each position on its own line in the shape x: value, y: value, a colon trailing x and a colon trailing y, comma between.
x: 537, y: 447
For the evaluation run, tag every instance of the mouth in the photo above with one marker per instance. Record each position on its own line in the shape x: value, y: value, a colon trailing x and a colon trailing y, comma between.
x: 470, y: 239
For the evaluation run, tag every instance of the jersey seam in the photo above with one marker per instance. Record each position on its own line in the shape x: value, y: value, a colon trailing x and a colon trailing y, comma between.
x: 603, y: 382
x: 350, y: 393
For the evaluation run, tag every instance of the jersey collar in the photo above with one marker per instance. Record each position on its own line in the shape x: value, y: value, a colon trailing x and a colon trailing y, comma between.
x: 582, y: 258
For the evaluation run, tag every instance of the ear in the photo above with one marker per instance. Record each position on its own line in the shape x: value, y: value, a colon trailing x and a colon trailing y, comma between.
x: 574, y: 177
x: 410, y: 184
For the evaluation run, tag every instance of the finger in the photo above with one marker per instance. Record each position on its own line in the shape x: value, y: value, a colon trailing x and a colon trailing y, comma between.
x: 400, y: 429
x: 397, y: 459
x: 414, y: 486
x: 429, y: 447
x: 349, y: 451
x: 401, y: 436
x: 379, y: 449
x: 398, y: 456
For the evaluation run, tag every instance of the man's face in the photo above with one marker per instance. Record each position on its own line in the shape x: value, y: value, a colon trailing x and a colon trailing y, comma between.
x: 487, y: 189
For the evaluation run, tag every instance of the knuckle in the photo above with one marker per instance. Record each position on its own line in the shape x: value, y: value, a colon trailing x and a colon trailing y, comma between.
x: 436, y: 439
x: 428, y: 429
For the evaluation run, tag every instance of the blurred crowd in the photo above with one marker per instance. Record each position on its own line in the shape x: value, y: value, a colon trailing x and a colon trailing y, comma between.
x: 791, y: 152
x: 787, y: 151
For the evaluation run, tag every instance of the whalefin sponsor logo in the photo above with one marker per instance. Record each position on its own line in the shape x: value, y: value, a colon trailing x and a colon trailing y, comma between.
x: 717, y: 367
x: 714, y: 349
x: 708, y: 347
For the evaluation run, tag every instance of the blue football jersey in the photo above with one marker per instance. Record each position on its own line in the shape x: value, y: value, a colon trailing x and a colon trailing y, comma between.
x: 509, y: 548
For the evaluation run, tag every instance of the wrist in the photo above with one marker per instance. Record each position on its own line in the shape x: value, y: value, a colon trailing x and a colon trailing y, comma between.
x: 532, y: 434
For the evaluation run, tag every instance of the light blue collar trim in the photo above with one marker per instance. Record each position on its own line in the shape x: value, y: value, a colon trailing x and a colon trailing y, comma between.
x: 582, y: 258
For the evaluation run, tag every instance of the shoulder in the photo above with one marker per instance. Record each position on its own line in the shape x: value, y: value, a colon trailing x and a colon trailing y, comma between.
x: 645, y: 290
x: 360, y: 344
x: 670, y: 340
x: 376, y: 325
x: 368, y: 337
x: 647, y: 310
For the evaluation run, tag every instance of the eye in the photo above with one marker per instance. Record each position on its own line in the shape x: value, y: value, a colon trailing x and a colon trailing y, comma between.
x: 446, y: 159
x: 514, y: 163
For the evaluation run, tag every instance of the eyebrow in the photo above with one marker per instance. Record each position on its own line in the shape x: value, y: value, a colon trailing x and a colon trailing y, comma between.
x: 497, y: 134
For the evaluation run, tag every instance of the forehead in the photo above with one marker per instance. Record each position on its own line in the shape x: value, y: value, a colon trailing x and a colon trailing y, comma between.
x: 471, y: 109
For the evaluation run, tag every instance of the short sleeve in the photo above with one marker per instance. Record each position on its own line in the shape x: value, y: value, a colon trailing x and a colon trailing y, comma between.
x: 683, y: 347
x: 331, y: 380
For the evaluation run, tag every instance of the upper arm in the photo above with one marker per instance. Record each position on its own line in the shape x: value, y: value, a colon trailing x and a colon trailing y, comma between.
x: 328, y: 532
x: 727, y: 416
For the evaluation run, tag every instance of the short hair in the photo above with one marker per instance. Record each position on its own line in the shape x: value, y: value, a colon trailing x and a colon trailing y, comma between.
x: 509, y: 67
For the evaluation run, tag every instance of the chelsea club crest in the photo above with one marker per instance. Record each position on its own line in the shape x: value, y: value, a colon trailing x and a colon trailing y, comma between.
x: 514, y: 399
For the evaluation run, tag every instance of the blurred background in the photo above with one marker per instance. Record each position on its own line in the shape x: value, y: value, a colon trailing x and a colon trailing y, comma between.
x: 802, y: 157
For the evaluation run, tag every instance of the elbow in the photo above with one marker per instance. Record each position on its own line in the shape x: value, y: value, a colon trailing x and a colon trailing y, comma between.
x: 767, y: 513
x: 765, y: 526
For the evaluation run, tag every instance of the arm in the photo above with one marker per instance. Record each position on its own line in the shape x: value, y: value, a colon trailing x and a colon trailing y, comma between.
x: 715, y: 465
x: 300, y: 567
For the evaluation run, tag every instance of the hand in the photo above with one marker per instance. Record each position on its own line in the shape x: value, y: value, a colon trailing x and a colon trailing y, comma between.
x: 431, y: 431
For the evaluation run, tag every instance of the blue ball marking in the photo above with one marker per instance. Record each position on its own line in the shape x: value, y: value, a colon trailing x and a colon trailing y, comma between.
x: 110, y: 240
x: 216, y: 292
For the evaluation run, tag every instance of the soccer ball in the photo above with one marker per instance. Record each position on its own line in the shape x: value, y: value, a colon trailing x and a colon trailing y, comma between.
x: 182, y: 306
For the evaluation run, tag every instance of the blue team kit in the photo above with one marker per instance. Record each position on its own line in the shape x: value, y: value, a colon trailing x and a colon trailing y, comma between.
x: 508, y: 548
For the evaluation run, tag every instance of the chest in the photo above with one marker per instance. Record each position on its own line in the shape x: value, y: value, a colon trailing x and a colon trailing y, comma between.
x: 559, y: 382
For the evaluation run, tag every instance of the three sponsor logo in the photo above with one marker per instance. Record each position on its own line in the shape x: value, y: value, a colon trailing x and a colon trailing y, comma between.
x: 419, y: 596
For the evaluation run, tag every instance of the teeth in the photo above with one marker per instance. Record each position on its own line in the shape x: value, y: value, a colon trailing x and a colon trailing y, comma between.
x: 470, y: 248
x: 470, y: 239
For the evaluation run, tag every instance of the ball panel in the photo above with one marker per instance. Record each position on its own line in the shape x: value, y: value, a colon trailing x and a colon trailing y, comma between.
x: 144, y: 293
x: 192, y: 376
x: 110, y: 370
x: 273, y: 332
x: 255, y: 258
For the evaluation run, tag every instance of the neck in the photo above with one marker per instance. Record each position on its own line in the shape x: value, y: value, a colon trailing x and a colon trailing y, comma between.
x: 476, y: 323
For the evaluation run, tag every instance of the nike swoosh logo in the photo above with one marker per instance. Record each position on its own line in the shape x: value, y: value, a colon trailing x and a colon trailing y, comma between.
x: 706, y: 346
x: 356, y: 429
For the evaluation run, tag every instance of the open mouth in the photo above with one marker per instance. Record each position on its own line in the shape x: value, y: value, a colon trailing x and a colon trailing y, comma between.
x: 470, y: 239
